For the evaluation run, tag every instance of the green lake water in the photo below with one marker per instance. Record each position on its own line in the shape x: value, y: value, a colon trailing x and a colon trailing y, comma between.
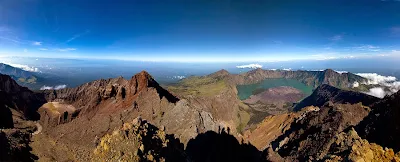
x: 245, y: 91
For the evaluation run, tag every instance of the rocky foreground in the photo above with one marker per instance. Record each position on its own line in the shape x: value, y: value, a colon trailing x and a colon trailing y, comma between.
x: 198, y: 119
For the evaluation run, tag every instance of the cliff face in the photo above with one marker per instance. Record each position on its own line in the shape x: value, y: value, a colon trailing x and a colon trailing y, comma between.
x: 18, y: 98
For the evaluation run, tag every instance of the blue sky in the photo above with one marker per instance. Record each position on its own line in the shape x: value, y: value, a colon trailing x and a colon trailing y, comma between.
x: 201, y: 30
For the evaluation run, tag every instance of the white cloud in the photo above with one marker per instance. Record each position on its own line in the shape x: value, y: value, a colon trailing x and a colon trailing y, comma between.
x: 23, y: 67
x: 178, y: 77
x: 65, y: 49
x: 377, y: 92
x: 387, y: 84
x: 46, y: 88
x: 43, y: 49
x: 287, y: 69
x: 57, y: 87
x: 250, y: 66
x: 374, y: 78
x: 37, y: 43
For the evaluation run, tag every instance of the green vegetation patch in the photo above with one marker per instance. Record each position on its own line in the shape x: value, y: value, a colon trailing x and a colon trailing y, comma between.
x: 199, y: 86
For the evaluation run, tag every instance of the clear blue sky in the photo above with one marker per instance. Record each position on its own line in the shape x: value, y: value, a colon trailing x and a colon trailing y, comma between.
x: 215, y: 30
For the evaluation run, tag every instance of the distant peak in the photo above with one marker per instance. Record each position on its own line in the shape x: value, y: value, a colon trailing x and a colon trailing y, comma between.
x: 143, y: 75
x: 221, y: 72
x: 330, y: 71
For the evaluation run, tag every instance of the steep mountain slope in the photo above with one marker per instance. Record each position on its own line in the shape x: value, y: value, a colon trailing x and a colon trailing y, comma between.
x: 274, y: 126
x: 19, y: 98
x: 325, y: 93
x: 311, y: 137
x: 77, y: 117
x: 17, y: 105
x: 382, y: 124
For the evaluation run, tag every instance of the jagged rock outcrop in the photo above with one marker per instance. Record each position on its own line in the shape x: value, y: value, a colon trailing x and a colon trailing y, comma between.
x: 382, y: 126
x: 112, y: 95
x: 54, y: 113
x: 325, y: 93
x: 348, y: 146
x: 139, y: 141
x: 311, y: 137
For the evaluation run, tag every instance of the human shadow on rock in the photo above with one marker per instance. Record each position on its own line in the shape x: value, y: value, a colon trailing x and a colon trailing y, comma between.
x: 212, y: 146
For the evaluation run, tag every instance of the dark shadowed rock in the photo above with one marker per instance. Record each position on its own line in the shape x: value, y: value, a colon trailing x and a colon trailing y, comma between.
x: 325, y: 93
x: 310, y: 137
x: 19, y: 98
x: 382, y: 126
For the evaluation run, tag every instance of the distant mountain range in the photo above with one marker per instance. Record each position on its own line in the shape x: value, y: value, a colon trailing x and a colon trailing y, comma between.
x: 21, y: 76
x: 197, y: 119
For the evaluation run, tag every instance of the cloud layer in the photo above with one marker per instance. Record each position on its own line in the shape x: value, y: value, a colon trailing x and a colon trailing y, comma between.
x: 386, y: 85
x: 250, y: 66
x: 24, y: 67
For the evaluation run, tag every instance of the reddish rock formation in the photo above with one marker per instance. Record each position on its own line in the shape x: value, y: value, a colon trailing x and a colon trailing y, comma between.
x: 104, y: 105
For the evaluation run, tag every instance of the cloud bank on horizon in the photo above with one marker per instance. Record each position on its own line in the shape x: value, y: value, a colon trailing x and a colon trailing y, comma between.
x: 386, y: 85
x: 249, y: 66
x: 23, y: 67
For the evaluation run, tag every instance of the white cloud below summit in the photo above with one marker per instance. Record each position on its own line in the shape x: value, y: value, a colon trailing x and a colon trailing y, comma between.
x: 250, y: 66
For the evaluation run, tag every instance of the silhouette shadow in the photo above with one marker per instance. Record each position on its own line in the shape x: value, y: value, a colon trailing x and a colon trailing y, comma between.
x: 212, y: 146
x: 16, y: 152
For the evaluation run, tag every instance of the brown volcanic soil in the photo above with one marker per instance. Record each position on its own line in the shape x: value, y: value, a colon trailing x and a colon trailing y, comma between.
x: 273, y: 101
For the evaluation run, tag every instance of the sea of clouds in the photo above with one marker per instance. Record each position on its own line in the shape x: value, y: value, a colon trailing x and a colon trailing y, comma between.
x: 386, y: 85
x: 57, y: 87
